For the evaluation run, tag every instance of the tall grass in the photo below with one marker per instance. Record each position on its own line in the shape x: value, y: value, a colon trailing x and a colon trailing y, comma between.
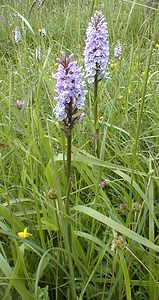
x: 114, y: 230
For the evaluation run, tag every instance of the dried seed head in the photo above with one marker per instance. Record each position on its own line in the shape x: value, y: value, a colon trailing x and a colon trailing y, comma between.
x: 136, y: 207
x: 52, y: 194
x: 122, y: 209
x: 103, y: 184
x: 118, y: 243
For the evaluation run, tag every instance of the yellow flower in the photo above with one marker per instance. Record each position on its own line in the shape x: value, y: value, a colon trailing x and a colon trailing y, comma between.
x: 143, y: 73
x: 120, y: 97
x: 113, y: 65
x: 100, y: 120
x: 24, y: 234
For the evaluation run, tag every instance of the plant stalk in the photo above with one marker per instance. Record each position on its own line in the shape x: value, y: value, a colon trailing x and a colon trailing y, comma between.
x: 69, y: 142
x: 68, y: 236
x: 96, y: 128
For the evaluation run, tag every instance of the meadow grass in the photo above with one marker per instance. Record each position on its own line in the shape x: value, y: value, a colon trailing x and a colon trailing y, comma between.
x: 114, y: 229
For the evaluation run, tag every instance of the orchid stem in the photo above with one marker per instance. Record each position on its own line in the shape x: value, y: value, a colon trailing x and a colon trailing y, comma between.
x: 69, y: 141
x: 96, y: 115
x: 67, y: 205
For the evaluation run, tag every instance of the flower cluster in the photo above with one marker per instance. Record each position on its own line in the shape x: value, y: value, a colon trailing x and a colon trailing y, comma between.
x: 117, y: 50
x: 96, y: 53
x: 70, y: 90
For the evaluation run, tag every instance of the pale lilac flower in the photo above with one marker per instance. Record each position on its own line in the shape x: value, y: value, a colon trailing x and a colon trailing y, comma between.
x: 70, y: 90
x: 38, y: 53
x: 117, y: 50
x: 17, y: 35
x: 96, y: 53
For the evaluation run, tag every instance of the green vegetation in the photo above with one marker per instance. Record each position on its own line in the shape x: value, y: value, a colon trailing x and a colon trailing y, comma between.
x: 114, y: 201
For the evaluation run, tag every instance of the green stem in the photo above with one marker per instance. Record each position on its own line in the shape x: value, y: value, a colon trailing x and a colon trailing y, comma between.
x: 150, y: 192
x: 64, y: 223
x: 135, y: 146
x: 69, y: 141
x: 92, y: 8
x: 68, y: 236
x: 96, y: 141
x: 96, y: 115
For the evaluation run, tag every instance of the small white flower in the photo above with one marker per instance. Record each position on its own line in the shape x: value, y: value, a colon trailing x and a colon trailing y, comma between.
x: 17, y: 35
x: 43, y: 32
x: 117, y: 50
x: 37, y: 53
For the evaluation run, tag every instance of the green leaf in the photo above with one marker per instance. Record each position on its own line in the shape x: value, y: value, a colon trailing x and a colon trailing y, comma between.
x: 126, y: 275
x: 23, y: 19
x: 116, y: 226
x: 18, y: 284
x: 90, y: 160
x: 43, y: 293
x: 43, y: 263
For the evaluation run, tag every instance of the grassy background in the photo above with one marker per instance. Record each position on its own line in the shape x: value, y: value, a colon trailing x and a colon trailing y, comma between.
x: 32, y: 162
